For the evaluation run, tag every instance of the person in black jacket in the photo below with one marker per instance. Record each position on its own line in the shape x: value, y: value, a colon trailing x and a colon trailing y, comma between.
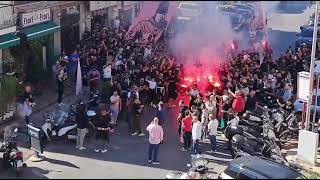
x: 82, y: 125
x: 102, y: 126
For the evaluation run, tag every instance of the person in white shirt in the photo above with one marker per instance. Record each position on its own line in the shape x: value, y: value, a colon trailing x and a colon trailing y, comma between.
x: 152, y: 88
x: 213, y: 131
x: 196, y: 135
x: 107, y: 72
x: 116, y: 23
x: 155, y: 139
x: 234, y: 121
x: 147, y: 51
x: 115, y: 107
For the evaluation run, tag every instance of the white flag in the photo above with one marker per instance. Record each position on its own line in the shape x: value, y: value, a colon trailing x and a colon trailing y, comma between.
x: 79, y: 80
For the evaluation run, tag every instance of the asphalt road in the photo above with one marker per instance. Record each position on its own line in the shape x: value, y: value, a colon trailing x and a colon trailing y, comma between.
x: 284, y: 24
x: 126, y: 156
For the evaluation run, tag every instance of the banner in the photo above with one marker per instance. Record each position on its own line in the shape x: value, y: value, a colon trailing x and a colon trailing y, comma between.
x: 153, y: 19
x: 79, y: 80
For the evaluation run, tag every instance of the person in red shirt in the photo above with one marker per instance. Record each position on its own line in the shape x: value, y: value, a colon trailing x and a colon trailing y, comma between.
x: 187, y: 131
x: 238, y: 104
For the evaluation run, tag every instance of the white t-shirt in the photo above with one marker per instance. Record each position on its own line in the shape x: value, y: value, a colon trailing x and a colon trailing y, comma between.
x: 213, y: 127
x: 116, y: 23
x: 115, y: 100
x: 196, y: 130
x: 129, y: 94
x: 234, y: 121
x: 147, y: 52
x: 152, y: 84
x: 107, y: 72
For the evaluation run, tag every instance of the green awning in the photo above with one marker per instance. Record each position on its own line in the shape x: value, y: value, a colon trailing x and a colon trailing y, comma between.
x: 41, y: 30
x: 32, y: 32
x: 8, y: 40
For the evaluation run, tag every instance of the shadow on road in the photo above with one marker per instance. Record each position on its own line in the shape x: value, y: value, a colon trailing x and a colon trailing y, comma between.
x: 27, y: 173
x: 60, y: 162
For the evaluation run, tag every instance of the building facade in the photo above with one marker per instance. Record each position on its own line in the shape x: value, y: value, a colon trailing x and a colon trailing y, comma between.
x: 55, y: 26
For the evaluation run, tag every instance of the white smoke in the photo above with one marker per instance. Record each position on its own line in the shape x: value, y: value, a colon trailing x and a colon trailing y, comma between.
x: 202, y: 38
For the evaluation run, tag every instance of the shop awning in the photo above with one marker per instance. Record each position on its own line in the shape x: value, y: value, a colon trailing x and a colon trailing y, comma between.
x: 41, y: 30
x: 8, y: 40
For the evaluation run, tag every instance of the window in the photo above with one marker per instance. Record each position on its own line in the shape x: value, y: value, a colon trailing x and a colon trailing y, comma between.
x: 189, y: 6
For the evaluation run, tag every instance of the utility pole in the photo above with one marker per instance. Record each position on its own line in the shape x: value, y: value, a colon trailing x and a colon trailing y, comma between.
x: 313, y: 57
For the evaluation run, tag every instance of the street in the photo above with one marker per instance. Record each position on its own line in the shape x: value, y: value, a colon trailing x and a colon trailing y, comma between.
x: 126, y: 156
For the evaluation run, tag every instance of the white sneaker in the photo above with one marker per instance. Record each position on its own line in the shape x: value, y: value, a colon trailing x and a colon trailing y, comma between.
x: 104, y: 151
x: 97, y: 150
x: 134, y: 134
x: 82, y: 148
x: 142, y: 134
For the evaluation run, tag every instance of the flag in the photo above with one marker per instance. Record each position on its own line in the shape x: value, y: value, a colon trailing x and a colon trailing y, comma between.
x: 153, y: 19
x: 258, y: 23
x: 79, y: 80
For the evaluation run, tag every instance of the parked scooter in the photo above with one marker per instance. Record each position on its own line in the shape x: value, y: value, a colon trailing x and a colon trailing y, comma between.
x: 63, y: 127
x: 12, y: 157
x: 198, y: 170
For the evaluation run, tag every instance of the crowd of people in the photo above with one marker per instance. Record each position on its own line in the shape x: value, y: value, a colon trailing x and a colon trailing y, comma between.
x: 129, y: 76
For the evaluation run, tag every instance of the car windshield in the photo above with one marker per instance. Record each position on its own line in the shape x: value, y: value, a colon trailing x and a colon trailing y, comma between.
x: 189, y: 6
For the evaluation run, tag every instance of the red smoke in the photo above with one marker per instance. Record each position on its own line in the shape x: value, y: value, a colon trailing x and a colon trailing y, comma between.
x: 202, y: 76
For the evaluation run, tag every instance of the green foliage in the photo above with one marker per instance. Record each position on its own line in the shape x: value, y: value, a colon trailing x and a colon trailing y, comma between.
x: 8, y: 90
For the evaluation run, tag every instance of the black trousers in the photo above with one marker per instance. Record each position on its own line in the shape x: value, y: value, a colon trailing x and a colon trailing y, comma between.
x: 60, y: 95
x: 136, y: 124
x: 187, y: 139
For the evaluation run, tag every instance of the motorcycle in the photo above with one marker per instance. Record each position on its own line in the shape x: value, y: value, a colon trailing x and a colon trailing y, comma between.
x: 61, y: 127
x: 198, y: 170
x: 292, y: 131
x: 12, y: 157
x: 243, y: 146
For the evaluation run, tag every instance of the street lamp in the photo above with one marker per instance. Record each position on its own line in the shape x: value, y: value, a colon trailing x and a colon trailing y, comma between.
x: 312, y: 63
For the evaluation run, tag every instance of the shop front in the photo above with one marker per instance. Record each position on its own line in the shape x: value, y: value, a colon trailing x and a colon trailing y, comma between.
x: 128, y: 11
x: 103, y: 11
x: 39, y: 29
x: 70, y: 28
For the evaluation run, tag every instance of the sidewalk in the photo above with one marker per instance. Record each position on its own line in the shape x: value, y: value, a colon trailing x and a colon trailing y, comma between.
x: 46, y: 102
x: 290, y: 152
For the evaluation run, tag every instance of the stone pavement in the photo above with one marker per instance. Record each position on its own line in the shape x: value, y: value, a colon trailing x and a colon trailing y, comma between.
x: 45, y: 102
x: 290, y: 152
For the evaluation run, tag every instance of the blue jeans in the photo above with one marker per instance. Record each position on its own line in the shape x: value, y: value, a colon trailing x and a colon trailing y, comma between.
x: 196, y: 147
x: 213, y: 142
x: 153, y: 150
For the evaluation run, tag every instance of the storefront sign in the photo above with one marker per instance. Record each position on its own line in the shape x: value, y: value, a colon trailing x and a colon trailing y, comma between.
x: 8, y: 18
x: 303, y: 86
x: 34, y: 134
x: 97, y: 5
x: 35, y: 17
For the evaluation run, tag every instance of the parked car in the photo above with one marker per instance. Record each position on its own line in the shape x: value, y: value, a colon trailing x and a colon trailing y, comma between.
x: 188, y: 10
x: 305, y: 37
x: 251, y: 167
